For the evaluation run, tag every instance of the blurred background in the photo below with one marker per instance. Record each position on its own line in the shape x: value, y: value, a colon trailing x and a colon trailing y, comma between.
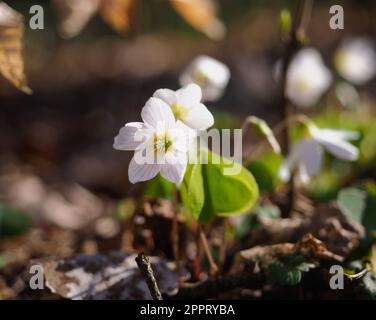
x: 57, y: 164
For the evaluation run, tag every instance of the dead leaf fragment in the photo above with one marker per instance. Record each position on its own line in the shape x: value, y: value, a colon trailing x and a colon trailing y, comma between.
x: 117, y: 13
x: 202, y: 15
x: 11, y: 60
x: 75, y: 14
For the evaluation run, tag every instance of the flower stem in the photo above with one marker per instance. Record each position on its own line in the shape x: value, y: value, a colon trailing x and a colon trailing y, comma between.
x: 213, y: 266
x: 175, y: 232
x: 296, y: 38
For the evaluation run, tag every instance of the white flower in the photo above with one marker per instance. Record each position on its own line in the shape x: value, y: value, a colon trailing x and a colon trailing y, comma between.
x: 306, y: 156
x: 355, y: 60
x: 307, y: 78
x: 210, y: 74
x: 160, y: 143
x: 186, y: 106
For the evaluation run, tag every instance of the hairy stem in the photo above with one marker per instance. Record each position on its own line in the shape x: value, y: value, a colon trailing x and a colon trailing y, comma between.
x: 144, y: 265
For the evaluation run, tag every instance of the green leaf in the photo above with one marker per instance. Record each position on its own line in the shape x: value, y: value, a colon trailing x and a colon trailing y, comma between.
x: 282, y: 274
x: 288, y: 269
x: 266, y: 170
x: 268, y: 212
x: 207, y: 191
x: 352, y: 202
x: 12, y: 222
x: 159, y: 188
x: 360, y: 205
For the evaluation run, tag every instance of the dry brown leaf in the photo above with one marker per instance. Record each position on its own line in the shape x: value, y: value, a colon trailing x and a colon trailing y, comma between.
x: 75, y: 14
x: 202, y: 15
x: 11, y: 60
x: 102, y: 277
x: 308, y: 246
x: 117, y: 13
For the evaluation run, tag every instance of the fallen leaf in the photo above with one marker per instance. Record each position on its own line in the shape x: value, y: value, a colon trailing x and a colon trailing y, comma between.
x: 309, y: 247
x: 75, y: 14
x: 98, y: 277
x: 117, y: 13
x: 327, y: 223
x: 202, y: 15
x: 11, y: 60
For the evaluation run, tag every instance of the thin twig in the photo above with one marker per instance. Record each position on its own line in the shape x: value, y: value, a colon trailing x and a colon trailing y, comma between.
x: 144, y: 265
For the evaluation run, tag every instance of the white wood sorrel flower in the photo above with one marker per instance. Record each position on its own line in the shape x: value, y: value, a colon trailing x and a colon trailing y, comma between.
x: 306, y: 156
x: 355, y: 60
x: 160, y: 144
x: 210, y: 74
x: 186, y: 106
x: 307, y: 78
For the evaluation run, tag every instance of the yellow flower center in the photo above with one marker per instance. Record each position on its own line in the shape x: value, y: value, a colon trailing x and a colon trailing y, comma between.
x: 180, y: 112
x: 303, y: 85
x: 162, y: 143
x: 201, y: 78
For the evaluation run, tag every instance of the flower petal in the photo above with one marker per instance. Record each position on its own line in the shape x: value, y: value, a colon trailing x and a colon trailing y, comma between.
x: 341, y: 149
x: 189, y: 95
x: 337, y: 134
x: 167, y: 95
x: 157, y: 114
x: 128, y: 137
x: 175, y: 167
x: 199, y: 117
x: 307, y: 155
x: 310, y: 156
x: 142, y: 172
x: 288, y: 164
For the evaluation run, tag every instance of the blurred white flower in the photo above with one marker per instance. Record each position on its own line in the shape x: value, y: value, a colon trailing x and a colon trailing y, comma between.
x: 307, y: 78
x: 210, y: 74
x: 186, y: 106
x: 160, y: 143
x: 355, y: 60
x: 306, y: 156
x: 347, y: 94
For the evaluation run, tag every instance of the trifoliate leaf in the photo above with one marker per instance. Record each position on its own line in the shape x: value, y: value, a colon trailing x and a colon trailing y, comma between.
x: 218, y: 189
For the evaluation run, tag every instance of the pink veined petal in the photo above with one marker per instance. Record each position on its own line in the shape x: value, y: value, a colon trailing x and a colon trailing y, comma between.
x: 341, y: 149
x: 157, y: 114
x: 199, y: 117
x: 167, y: 95
x: 130, y: 136
x: 189, y: 95
x: 142, y: 172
